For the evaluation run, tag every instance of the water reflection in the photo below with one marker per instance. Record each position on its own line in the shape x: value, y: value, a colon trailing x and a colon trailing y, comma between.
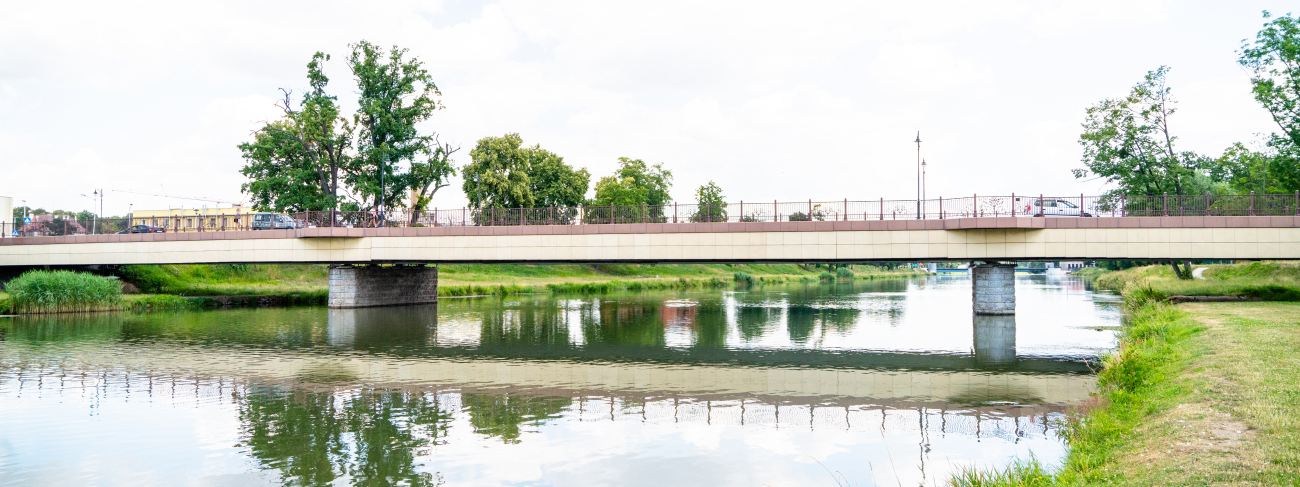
x: 539, y: 389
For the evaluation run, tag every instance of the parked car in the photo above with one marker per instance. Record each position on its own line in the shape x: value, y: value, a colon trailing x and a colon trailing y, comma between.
x: 273, y: 221
x: 143, y: 229
x: 1054, y: 207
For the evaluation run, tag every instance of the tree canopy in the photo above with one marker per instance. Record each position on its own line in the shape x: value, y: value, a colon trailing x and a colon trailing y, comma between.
x: 634, y: 183
x: 314, y: 158
x: 711, y: 205
x: 1128, y: 141
x: 506, y: 174
x: 1274, y: 63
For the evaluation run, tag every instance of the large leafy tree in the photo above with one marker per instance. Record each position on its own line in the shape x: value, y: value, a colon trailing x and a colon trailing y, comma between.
x: 506, y: 174
x: 1274, y: 63
x: 711, y: 206
x: 1128, y: 141
x: 634, y: 183
x: 395, y: 94
x: 314, y: 158
x: 293, y: 164
x: 498, y: 176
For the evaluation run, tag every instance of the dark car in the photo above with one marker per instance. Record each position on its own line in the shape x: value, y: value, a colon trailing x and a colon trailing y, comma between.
x: 144, y: 229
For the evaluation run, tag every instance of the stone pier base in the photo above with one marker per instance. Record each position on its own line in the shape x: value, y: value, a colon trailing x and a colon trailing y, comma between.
x: 994, y: 289
x: 367, y: 286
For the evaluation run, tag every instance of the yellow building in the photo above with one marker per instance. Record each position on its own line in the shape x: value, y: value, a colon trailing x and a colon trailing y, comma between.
x: 195, y: 219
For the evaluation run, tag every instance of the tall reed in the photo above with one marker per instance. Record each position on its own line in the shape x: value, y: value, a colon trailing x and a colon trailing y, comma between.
x: 62, y: 292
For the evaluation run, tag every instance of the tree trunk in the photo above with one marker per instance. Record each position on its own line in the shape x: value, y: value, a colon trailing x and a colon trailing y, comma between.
x: 1177, y: 272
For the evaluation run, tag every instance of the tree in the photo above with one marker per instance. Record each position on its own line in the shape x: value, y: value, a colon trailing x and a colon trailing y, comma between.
x: 1244, y: 170
x: 294, y: 163
x: 635, y: 183
x: 1128, y: 141
x: 505, y: 174
x: 710, y: 204
x: 554, y: 183
x: 395, y: 94
x: 314, y: 158
x: 498, y: 175
x: 1274, y: 63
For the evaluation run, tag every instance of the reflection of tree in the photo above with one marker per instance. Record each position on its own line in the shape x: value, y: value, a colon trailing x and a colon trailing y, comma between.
x: 622, y: 323
x: 501, y: 415
x: 800, y: 323
x: 530, y: 324
x: 710, y: 326
x: 803, y: 319
x: 755, y: 321
x: 314, y: 438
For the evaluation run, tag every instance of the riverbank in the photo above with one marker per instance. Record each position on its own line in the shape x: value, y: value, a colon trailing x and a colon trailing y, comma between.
x: 1195, y: 394
x: 1264, y: 280
x: 477, y: 279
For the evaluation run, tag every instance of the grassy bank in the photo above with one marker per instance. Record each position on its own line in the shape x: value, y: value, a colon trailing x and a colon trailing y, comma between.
x: 62, y: 292
x: 482, y: 279
x: 1267, y: 280
x: 1196, y: 394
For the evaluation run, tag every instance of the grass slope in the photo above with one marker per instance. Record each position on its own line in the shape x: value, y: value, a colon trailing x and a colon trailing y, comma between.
x: 1196, y: 394
x: 1267, y: 280
x: 471, y: 279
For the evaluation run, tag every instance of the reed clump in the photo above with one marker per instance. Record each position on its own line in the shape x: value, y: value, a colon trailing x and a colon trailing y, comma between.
x: 63, y: 292
x: 844, y: 273
x: 743, y: 278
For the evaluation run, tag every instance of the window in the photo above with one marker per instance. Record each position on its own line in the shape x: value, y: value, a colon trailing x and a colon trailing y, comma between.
x: 1065, y: 204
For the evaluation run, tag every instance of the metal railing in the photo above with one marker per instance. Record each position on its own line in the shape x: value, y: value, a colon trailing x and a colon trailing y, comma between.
x: 1039, y: 205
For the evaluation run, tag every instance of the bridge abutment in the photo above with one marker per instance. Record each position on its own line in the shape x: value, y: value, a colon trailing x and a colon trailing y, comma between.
x: 370, y: 286
x: 993, y: 289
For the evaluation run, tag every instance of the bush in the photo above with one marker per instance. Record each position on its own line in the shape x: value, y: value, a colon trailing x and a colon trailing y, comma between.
x: 844, y: 273
x: 63, y: 291
x: 826, y: 276
x: 743, y: 278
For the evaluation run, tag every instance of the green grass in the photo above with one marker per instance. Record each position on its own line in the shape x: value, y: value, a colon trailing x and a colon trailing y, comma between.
x: 159, y: 302
x: 1195, y: 394
x: 477, y: 279
x: 62, y: 292
x: 1267, y: 280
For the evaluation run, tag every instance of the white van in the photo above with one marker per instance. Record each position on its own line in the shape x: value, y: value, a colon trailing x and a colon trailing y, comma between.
x: 1053, y: 207
x: 273, y: 221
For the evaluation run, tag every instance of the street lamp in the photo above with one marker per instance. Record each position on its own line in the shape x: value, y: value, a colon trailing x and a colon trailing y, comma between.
x: 918, y: 174
x: 923, y: 195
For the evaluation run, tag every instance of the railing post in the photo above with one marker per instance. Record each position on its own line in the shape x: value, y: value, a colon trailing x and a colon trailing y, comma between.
x: 493, y: 221
x: 1297, y: 203
x: 674, y: 212
x: 809, y: 210
x: 1041, y: 211
x: 742, y: 211
x: 1080, y: 205
x: 642, y: 212
x: 882, y: 209
x: 708, y: 212
x: 776, y: 217
x: 1207, y: 204
x: 1252, y: 203
x: 846, y: 209
x: 940, y: 207
x: 975, y: 205
x: 1123, y: 204
x: 1013, y: 205
x: 521, y: 216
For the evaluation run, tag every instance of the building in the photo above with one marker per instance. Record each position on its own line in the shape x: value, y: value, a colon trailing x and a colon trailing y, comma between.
x: 194, y: 219
x: 7, y: 221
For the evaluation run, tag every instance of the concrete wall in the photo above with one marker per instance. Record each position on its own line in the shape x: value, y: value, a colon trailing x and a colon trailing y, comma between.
x: 368, y: 286
x: 1253, y: 238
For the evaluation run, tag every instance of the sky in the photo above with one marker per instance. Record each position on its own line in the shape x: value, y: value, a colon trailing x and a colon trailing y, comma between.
x: 781, y: 101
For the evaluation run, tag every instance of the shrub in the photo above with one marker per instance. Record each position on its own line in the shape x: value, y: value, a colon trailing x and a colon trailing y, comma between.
x: 826, y: 276
x: 844, y: 273
x: 742, y: 277
x: 63, y: 291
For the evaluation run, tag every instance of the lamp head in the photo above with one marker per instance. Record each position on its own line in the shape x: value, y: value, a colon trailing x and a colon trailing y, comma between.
x: 918, y: 136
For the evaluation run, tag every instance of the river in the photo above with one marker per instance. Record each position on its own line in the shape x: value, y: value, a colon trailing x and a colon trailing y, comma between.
x: 870, y: 382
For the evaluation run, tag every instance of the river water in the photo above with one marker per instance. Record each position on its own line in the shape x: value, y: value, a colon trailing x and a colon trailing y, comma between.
x: 884, y: 382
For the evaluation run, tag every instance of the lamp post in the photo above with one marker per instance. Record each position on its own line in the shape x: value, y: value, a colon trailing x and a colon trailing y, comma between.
x: 923, y: 181
x: 918, y: 174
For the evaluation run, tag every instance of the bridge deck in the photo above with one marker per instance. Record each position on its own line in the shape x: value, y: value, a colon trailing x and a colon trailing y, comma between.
x: 1004, y: 238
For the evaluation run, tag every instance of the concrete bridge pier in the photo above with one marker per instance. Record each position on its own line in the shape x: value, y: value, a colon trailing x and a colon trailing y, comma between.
x: 364, y: 286
x: 995, y: 339
x: 993, y: 289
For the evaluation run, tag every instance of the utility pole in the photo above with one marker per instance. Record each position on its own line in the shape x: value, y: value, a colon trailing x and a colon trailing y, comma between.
x: 918, y: 174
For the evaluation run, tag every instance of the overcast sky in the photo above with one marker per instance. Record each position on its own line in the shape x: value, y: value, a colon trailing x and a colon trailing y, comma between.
x: 789, y: 101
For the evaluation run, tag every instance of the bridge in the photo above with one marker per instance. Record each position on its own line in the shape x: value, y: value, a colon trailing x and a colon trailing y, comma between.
x: 986, y: 229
